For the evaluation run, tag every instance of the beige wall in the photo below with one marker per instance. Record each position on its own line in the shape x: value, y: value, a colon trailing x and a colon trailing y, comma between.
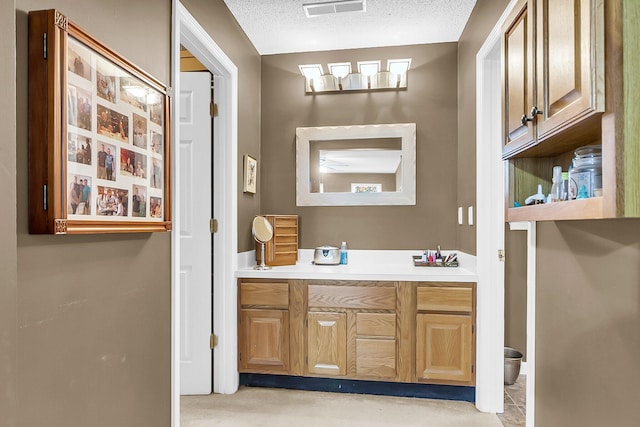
x: 430, y: 102
x: 91, y: 323
x: 94, y: 312
x: 8, y: 248
x: 483, y: 18
x: 216, y: 19
x: 588, y: 323
x: 515, y: 290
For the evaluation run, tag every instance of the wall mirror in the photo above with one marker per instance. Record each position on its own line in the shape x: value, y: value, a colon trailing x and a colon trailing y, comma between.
x: 356, y: 165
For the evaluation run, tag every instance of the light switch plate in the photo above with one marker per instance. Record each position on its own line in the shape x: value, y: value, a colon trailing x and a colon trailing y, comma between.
x: 470, y: 215
x: 460, y: 218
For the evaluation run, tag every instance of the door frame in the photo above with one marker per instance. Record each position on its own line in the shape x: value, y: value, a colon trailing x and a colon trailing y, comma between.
x: 188, y: 32
x: 490, y: 182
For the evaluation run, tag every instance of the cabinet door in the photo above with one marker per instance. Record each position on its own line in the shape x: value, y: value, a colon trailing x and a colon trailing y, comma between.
x: 264, y: 341
x: 570, y: 62
x: 444, y: 347
x: 327, y: 344
x: 518, y: 78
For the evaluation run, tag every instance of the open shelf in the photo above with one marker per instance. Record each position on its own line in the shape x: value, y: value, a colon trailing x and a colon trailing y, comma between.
x: 592, y: 208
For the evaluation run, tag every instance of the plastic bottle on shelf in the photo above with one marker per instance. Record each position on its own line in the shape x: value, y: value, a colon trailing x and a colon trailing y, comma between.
x: 344, y: 254
x: 556, y: 187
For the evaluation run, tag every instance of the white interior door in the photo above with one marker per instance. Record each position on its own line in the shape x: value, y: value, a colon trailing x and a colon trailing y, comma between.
x: 195, y: 236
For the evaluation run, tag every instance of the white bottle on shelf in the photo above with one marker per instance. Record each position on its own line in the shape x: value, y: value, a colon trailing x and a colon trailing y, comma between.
x: 557, y: 190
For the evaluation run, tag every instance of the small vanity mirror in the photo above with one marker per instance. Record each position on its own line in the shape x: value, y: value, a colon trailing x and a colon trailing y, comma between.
x: 262, y: 232
x: 356, y: 165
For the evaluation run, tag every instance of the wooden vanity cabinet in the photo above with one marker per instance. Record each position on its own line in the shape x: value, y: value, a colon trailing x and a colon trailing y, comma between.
x: 445, y: 333
x: 352, y: 330
x: 263, y: 326
x: 365, y: 330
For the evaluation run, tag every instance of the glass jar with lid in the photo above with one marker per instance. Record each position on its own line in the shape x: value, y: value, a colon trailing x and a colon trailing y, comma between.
x: 585, y: 172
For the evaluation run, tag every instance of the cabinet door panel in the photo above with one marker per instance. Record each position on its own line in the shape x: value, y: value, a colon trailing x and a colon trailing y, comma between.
x: 327, y: 344
x: 569, y: 65
x: 517, y: 78
x: 264, y: 340
x: 444, y: 347
x: 376, y: 358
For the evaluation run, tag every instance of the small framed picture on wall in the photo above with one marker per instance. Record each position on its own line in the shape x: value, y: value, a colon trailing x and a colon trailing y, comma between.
x: 250, y: 174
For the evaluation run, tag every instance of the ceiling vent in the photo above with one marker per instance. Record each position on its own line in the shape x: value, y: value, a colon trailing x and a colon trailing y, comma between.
x: 328, y: 8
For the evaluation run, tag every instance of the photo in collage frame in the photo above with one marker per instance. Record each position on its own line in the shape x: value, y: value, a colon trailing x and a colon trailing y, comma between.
x: 115, y: 141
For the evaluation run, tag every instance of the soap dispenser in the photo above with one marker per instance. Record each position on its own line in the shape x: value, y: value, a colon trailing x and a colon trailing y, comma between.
x: 344, y: 255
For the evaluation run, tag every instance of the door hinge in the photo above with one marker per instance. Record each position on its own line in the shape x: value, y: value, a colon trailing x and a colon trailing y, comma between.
x: 501, y: 255
x: 473, y: 328
x: 213, y: 225
x: 44, y: 46
x: 213, y: 341
x: 214, y: 109
x: 240, y: 356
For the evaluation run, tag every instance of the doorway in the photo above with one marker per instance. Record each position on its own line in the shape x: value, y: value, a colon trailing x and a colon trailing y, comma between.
x: 188, y: 32
x: 491, y: 236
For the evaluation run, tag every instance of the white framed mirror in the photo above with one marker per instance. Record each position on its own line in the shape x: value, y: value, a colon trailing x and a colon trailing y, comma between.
x: 357, y: 165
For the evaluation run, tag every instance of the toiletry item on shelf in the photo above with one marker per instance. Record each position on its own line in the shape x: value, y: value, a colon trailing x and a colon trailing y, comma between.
x: 344, y: 255
x: 536, y: 199
x: 565, y: 185
x: 586, y: 171
x: 556, y: 187
x: 438, y: 256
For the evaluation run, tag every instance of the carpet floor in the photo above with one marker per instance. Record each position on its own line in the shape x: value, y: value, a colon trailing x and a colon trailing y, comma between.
x: 265, y: 407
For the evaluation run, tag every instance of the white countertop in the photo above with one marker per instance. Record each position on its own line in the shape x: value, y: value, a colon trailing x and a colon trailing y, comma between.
x: 383, y: 265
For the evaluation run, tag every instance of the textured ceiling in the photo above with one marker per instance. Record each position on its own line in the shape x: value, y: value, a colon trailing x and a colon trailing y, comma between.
x: 280, y: 26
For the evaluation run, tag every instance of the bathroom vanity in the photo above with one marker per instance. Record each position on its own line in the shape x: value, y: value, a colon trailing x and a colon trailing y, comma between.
x: 379, y: 318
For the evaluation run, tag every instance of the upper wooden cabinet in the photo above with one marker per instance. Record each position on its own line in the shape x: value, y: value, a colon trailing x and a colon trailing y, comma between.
x: 569, y: 63
x: 518, y: 78
x: 553, y: 72
x: 556, y: 79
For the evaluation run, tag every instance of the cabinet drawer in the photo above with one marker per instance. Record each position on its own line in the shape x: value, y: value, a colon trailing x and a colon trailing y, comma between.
x: 376, y: 325
x: 359, y: 297
x: 376, y: 358
x: 445, y: 299
x: 266, y: 294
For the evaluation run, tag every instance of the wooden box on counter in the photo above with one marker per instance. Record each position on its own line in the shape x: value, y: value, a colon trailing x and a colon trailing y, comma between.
x: 283, y: 248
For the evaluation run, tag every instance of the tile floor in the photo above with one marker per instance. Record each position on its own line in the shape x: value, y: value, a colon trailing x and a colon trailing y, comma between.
x: 514, y: 404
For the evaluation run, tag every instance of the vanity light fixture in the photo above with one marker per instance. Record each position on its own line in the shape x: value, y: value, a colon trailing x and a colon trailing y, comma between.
x: 369, y: 69
x: 340, y: 70
x: 369, y: 76
x: 398, y: 68
x: 313, y: 72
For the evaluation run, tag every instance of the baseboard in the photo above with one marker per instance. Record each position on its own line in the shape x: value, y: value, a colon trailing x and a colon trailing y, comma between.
x: 428, y: 391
